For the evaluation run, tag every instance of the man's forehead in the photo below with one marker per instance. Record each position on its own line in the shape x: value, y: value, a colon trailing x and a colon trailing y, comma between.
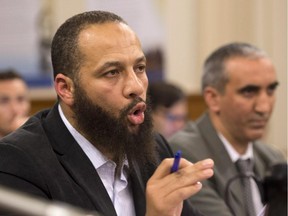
x: 104, y: 37
x: 248, y: 63
x: 13, y: 85
x: 246, y: 68
x: 108, y: 29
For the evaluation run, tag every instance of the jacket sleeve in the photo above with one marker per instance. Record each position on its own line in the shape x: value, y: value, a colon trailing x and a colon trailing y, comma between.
x: 18, y: 171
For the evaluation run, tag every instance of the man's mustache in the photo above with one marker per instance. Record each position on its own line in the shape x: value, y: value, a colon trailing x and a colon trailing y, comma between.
x: 130, y: 106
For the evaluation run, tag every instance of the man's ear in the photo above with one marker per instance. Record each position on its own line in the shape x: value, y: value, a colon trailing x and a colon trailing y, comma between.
x: 64, y: 87
x: 212, y: 98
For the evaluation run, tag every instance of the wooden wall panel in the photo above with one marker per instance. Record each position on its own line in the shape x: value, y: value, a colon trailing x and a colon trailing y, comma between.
x: 196, y: 106
x: 39, y: 104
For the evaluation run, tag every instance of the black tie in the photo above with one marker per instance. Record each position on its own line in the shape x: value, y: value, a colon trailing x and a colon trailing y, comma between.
x: 245, y: 168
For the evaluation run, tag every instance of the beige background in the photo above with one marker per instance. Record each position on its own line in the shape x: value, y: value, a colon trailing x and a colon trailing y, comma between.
x: 196, y: 27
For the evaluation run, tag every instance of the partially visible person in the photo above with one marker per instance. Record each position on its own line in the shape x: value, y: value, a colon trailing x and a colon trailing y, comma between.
x: 238, y: 84
x: 169, y: 107
x: 95, y: 149
x: 275, y: 190
x: 14, y: 101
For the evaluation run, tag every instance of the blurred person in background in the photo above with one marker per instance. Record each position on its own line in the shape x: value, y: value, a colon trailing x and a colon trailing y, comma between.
x: 275, y: 190
x: 239, y: 83
x: 14, y: 101
x: 169, y: 107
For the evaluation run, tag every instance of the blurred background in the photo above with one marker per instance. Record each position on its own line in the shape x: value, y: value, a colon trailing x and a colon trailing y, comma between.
x: 176, y: 36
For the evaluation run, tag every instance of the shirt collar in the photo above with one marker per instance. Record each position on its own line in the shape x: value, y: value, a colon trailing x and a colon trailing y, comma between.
x: 234, y: 155
x: 95, y: 156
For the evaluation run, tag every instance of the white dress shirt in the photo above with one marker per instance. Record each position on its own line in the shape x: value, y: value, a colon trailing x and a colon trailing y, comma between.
x: 117, y: 186
x: 234, y: 155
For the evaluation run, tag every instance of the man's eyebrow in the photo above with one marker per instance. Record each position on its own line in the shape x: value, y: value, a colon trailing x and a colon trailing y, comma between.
x: 252, y: 87
x: 141, y: 59
x: 109, y: 64
x: 249, y: 87
x: 118, y: 64
x: 273, y: 85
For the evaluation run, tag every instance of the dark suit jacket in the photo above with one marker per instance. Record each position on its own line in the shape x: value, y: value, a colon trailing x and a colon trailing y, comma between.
x: 42, y: 158
x: 198, y: 141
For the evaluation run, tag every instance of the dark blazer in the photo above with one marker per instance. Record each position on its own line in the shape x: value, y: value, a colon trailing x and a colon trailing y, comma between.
x: 42, y: 158
x: 199, y: 140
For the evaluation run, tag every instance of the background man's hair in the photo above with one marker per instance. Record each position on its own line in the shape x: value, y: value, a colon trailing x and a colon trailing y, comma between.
x: 9, y: 74
x: 214, y: 73
x: 163, y: 94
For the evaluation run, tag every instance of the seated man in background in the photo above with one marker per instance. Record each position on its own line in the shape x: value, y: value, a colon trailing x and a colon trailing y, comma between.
x: 238, y: 84
x: 169, y: 107
x: 95, y: 148
x: 14, y: 101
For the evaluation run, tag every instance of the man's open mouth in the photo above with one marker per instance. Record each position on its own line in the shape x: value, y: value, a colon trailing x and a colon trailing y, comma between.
x: 136, y: 115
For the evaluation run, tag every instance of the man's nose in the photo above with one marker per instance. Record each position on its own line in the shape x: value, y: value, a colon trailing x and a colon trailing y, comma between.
x: 133, y: 86
x: 264, y: 103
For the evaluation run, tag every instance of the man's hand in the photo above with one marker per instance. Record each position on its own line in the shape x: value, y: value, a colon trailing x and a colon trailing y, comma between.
x: 166, y: 191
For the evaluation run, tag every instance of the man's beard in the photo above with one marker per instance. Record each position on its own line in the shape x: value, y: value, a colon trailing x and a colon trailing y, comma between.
x: 111, y: 135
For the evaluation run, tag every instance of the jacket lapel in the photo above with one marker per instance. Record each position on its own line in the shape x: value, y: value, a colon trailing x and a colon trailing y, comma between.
x: 76, y: 163
x: 138, y: 188
x: 225, y: 169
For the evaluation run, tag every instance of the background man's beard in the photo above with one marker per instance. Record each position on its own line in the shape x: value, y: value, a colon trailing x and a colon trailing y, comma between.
x: 112, y: 134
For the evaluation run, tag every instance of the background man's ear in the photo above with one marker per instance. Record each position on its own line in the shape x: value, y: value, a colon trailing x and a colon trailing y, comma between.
x: 212, y: 99
x: 64, y: 87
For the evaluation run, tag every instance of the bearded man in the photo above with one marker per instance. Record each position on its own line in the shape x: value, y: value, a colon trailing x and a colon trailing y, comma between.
x: 95, y: 148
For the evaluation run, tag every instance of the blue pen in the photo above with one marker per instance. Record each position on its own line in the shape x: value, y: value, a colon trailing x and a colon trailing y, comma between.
x: 176, y: 162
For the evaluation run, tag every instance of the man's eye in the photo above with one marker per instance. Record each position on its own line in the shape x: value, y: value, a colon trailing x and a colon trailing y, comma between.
x: 271, y: 89
x: 141, y: 68
x: 112, y: 73
x: 21, y: 99
x: 249, y: 91
x: 4, y: 100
